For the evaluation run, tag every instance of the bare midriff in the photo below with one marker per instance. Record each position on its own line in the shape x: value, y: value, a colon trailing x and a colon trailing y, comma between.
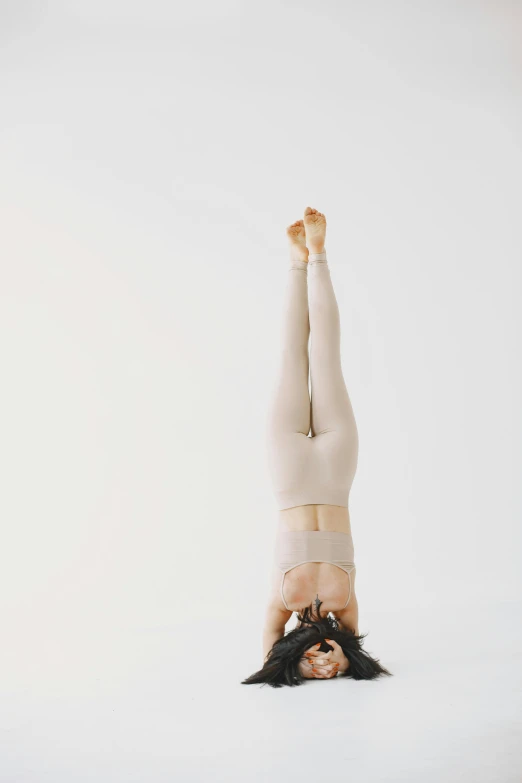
x: 315, y: 517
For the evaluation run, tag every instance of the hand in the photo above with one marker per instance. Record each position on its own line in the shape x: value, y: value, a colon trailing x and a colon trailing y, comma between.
x: 320, y: 665
x: 326, y: 664
x: 305, y: 669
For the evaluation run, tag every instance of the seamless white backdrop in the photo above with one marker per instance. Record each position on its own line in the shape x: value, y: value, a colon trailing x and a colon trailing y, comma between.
x: 152, y: 156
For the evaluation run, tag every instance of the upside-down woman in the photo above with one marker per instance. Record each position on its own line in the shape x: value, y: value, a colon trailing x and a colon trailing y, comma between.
x: 312, y: 451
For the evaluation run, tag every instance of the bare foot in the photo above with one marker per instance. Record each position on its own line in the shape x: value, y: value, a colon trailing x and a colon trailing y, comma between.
x: 297, y: 239
x: 315, y: 230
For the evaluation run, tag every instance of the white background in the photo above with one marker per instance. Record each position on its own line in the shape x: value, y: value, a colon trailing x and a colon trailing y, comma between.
x: 152, y: 155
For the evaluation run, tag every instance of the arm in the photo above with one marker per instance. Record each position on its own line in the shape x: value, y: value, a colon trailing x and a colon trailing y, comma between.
x: 349, y: 620
x: 275, y: 623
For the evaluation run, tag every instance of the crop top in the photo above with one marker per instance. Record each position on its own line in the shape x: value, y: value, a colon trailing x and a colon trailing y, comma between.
x: 295, y: 547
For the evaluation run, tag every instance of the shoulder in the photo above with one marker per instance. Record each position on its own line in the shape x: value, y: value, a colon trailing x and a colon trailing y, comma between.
x: 275, y: 602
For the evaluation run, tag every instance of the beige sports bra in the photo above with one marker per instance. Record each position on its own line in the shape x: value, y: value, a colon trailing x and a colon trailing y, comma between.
x: 295, y: 547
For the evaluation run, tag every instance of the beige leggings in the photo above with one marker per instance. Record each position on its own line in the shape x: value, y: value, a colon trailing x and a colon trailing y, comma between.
x: 320, y: 468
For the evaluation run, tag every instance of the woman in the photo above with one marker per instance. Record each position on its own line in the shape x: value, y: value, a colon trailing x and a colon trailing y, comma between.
x: 312, y: 451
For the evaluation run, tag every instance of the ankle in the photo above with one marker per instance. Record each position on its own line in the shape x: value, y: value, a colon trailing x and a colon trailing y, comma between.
x: 296, y: 263
x: 299, y: 254
x: 317, y: 258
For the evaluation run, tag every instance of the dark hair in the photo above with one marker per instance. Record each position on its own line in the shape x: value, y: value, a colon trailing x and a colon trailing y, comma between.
x: 281, y: 665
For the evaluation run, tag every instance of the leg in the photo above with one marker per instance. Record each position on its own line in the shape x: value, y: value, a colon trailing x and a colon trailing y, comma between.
x: 290, y: 407
x: 288, y: 422
x: 332, y: 420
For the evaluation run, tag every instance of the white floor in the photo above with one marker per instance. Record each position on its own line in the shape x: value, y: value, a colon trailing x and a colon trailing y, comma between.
x: 151, y: 705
